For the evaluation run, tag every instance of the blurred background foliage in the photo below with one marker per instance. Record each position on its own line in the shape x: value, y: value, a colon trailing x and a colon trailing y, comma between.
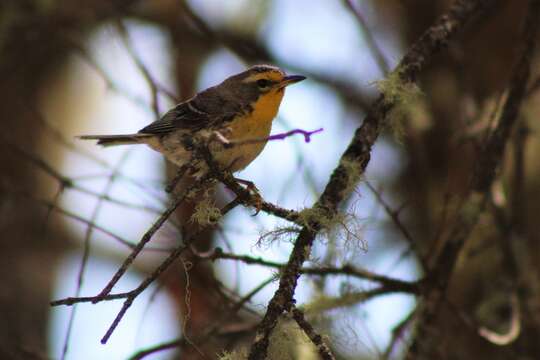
x: 74, y: 67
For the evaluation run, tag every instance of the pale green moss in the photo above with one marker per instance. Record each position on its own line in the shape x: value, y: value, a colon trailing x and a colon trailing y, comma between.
x: 326, y: 303
x: 206, y: 213
x: 315, y: 215
x: 288, y: 341
x: 342, y: 225
x: 403, y: 96
x: 240, y: 354
x: 354, y: 175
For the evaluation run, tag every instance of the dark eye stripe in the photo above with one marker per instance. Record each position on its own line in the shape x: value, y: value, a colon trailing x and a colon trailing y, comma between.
x: 263, y: 83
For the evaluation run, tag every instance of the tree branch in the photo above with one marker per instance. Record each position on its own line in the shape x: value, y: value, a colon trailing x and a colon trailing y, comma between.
x: 355, y: 159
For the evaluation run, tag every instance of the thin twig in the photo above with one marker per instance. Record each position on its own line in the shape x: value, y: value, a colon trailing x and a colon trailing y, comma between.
x: 86, y: 250
x: 397, y: 334
x: 394, y: 215
x: 347, y: 270
x: 212, y: 331
x: 370, y: 40
x: 133, y: 294
x: 124, y: 36
x: 147, y: 237
x: 71, y: 215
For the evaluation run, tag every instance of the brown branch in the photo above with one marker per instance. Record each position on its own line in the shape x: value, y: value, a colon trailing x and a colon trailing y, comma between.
x: 245, y: 196
x: 397, y: 334
x: 347, y: 270
x: 212, y: 331
x: 358, y: 154
x: 248, y: 199
x: 133, y: 294
x: 315, y: 338
x: 148, y: 236
x: 183, y: 341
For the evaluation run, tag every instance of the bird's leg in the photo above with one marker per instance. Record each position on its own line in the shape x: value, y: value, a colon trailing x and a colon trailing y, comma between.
x: 257, y: 198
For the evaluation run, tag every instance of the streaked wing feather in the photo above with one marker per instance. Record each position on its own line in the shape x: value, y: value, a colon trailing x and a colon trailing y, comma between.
x: 206, y: 110
x: 182, y: 116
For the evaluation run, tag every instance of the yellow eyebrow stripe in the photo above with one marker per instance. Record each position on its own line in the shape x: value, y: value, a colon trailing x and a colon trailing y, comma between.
x: 272, y: 76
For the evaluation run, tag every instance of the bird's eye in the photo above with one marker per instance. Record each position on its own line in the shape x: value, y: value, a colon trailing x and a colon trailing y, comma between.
x: 263, y: 83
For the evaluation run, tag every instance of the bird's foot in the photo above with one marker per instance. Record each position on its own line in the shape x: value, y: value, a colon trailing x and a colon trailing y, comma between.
x: 256, y: 195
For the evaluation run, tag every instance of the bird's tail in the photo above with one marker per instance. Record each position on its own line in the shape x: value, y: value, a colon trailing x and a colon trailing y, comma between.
x: 113, y: 140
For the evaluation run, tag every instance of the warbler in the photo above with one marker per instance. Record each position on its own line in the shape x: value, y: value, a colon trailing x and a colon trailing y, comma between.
x: 242, y: 107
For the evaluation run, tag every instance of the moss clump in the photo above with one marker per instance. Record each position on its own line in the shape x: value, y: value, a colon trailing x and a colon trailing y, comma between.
x: 354, y: 172
x: 333, y: 225
x: 240, y: 354
x: 326, y: 303
x: 287, y: 233
x: 317, y: 218
x: 206, y: 213
x: 289, y: 342
x: 403, y: 96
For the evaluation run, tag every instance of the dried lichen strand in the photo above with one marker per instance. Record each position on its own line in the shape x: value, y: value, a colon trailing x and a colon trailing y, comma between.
x: 403, y: 97
x: 206, y: 213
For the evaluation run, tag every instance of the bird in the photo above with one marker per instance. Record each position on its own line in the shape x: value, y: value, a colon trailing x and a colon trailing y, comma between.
x: 240, y: 108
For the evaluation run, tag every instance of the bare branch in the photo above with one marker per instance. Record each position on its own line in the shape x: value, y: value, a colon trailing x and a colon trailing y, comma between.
x: 347, y: 270
x: 148, y: 236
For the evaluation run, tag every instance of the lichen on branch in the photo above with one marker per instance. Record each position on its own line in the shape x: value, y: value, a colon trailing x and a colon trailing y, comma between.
x: 404, y: 97
x: 206, y: 213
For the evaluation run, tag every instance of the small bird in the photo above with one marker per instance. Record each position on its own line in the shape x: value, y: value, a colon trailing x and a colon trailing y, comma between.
x: 242, y: 108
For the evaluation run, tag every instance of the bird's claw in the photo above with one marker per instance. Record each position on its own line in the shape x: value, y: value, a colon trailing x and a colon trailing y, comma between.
x: 257, y: 200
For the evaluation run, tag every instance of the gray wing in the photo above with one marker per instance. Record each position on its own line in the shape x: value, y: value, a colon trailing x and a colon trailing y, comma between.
x: 182, y: 116
x: 202, y: 111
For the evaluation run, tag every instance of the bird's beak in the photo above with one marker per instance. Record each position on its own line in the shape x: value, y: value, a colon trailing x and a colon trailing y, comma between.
x: 291, y: 79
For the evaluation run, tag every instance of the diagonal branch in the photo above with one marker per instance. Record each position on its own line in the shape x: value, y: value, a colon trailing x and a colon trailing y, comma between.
x: 133, y: 294
x: 147, y: 237
x: 355, y: 159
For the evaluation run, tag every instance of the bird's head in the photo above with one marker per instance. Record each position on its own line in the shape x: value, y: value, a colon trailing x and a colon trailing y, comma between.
x: 260, y: 81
